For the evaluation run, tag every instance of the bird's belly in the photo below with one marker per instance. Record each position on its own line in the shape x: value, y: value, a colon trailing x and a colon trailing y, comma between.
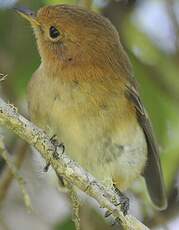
x: 104, y: 140
x: 108, y: 149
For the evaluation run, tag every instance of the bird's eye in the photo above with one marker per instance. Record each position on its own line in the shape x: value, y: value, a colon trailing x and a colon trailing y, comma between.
x: 53, y: 32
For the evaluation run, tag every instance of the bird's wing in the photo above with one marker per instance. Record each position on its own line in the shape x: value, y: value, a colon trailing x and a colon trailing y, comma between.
x: 152, y: 173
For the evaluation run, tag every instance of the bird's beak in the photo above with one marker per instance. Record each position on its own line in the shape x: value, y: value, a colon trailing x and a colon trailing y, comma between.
x: 28, y: 14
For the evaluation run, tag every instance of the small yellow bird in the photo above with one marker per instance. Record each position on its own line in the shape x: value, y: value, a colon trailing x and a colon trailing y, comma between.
x: 85, y: 93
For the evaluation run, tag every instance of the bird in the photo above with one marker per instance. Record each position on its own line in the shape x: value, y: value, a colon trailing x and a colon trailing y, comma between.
x: 84, y: 91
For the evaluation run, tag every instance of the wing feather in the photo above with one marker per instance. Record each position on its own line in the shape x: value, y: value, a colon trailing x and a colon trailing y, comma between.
x: 153, y: 172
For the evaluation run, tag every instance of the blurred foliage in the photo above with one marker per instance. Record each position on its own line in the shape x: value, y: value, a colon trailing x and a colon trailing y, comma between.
x: 156, y: 70
x: 66, y: 225
x: 60, y: 2
x: 157, y: 74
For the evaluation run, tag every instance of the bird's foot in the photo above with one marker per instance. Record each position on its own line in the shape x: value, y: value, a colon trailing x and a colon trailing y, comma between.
x: 115, y: 222
x: 123, y: 201
x: 55, y: 143
x: 61, y: 181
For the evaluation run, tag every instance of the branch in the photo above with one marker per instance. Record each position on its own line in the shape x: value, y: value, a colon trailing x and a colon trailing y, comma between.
x: 15, y: 173
x: 75, y: 204
x: 3, y: 77
x: 64, y: 166
x: 172, y: 15
x: 7, y: 177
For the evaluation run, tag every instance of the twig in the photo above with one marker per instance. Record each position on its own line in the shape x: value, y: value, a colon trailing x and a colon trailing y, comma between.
x: 172, y: 15
x: 2, y: 77
x: 64, y: 166
x: 75, y: 204
x: 7, y: 177
x: 15, y: 173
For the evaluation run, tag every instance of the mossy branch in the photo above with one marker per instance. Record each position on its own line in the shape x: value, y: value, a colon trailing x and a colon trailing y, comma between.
x: 12, y: 172
x: 64, y: 166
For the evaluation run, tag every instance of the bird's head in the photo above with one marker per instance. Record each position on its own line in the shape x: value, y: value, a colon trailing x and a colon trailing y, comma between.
x: 73, y: 36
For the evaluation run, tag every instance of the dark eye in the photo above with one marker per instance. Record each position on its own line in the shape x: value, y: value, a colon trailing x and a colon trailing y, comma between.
x: 54, y: 33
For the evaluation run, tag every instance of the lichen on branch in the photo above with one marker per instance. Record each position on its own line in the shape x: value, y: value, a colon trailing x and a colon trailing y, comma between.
x: 64, y: 166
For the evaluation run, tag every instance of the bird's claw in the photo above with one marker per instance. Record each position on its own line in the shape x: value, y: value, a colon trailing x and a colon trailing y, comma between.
x: 116, y: 221
x: 123, y: 201
x: 55, y: 143
x: 107, y: 214
x: 46, y: 168
x: 124, y: 206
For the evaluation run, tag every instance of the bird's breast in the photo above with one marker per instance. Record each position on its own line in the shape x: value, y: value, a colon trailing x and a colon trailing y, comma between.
x: 95, y: 123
